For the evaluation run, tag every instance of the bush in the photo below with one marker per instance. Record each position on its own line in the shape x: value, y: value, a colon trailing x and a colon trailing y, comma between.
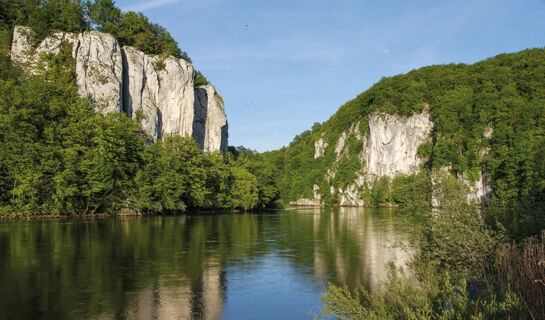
x: 434, y: 296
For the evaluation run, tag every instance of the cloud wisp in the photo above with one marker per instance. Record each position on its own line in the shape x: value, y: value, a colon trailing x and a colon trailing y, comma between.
x: 145, y: 5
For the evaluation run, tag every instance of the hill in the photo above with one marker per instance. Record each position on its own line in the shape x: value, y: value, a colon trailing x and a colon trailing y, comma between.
x: 482, y: 123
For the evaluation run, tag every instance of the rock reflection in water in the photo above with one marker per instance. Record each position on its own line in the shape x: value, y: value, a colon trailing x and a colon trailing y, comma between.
x: 201, y: 267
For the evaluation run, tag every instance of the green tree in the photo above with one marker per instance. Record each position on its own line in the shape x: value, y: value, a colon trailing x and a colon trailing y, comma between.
x: 243, y: 189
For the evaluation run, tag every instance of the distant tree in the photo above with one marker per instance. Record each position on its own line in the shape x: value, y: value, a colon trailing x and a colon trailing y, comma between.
x: 244, y: 190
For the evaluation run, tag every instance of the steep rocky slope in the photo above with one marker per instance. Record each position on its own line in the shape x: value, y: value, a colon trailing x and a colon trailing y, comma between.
x: 158, y: 91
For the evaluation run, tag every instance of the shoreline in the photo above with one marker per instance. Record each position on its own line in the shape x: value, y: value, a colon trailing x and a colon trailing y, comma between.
x: 124, y: 213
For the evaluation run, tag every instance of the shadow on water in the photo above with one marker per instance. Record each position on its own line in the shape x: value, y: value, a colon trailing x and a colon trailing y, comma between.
x: 231, y: 266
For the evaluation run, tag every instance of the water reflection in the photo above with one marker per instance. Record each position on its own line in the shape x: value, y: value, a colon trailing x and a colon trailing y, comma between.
x: 201, y: 267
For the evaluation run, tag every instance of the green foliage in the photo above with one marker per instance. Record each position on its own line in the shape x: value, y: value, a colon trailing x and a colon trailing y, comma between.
x: 424, y: 150
x: 199, y: 79
x: 436, y: 296
x: 130, y: 28
x: 413, y: 191
x: 455, y: 273
x: 488, y: 115
x: 244, y: 189
x: 380, y: 190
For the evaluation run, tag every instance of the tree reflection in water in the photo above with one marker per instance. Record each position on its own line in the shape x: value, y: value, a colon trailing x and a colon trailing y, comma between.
x: 191, y: 266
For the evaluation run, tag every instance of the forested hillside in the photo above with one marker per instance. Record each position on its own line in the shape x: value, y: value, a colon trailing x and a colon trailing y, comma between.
x: 58, y: 156
x: 489, y: 116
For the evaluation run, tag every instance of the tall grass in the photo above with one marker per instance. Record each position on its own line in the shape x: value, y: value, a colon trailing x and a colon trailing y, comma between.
x: 522, y: 266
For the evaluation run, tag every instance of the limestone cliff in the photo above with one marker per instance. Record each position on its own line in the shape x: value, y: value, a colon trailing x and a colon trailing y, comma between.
x: 393, y: 143
x: 390, y: 148
x: 158, y: 91
x: 210, y: 123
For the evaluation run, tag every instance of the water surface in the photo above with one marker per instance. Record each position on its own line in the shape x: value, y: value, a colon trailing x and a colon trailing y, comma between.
x: 232, y: 266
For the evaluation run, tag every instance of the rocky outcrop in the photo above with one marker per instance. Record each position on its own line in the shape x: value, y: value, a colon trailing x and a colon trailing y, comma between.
x: 98, y: 63
x: 351, y: 196
x: 479, y: 190
x: 23, y: 52
x: 157, y: 91
x: 390, y: 148
x: 210, y: 124
x: 393, y: 143
x: 99, y: 70
x: 319, y: 148
x: 305, y: 202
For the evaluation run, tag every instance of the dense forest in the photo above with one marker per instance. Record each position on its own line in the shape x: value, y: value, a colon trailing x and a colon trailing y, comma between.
x: 504, y: 94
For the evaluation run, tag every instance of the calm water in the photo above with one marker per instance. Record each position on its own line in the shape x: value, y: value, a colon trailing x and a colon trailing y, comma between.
x: 254, y: 266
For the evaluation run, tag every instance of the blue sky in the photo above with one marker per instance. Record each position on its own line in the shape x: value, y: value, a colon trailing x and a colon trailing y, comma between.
x: 282, y: 65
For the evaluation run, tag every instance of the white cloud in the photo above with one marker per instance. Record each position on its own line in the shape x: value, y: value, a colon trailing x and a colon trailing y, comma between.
x: 144, y: 5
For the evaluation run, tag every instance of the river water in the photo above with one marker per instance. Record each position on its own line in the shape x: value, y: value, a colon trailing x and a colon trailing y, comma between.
x: 273, y: 265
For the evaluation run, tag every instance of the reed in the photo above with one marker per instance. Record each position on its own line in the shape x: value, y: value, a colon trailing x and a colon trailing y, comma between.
x: 522, y: 266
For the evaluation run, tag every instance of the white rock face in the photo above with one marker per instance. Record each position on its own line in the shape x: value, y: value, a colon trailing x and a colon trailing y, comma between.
x: 176, y: 97
x: 22, y: 52
x: 99, y: 70
x: 210, y: 124
x: 393, y: 143
x: 319, y: 148
x: 158, y: 91
x: 142, y: 90
x: 351, y: 197
x: 98, y: 63
x: 315, y: 190
x: 20, y: 45
x: 389, y: 149
x: 161, y: 92
x: 339, y: 147
x: 305, y: 202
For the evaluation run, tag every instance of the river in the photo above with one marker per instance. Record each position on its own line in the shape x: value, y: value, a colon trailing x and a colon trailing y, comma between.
x: 272, y: 265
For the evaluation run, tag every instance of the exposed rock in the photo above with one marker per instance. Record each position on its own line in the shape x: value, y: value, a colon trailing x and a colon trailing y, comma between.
x: 393, y: 143
x: 20, y: 46
x: 488, y: 133
x: 157, y: 91
x: 436, y: 177
x: 98, y: 63
x: 160, y: 91
x: 142, y: 90
x: 23, y: 53
x: 351, y: 197
x: 176, y: 97
x: 339, y: 147
x: 390, y: 149
x: 210, y: 124
x: 479, y: 191
x: 305, y: 202
x: 99, y: 70
x: 315, y: 190
x: 319, y: 148
x: 309, y: 202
